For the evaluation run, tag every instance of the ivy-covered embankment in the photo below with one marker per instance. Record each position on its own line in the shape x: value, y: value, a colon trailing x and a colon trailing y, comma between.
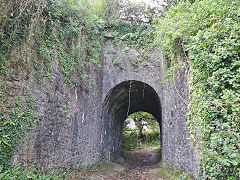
x: 206, y: 35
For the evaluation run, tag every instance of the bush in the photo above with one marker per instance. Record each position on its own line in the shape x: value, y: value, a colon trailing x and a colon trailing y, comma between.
x: 207, y: 35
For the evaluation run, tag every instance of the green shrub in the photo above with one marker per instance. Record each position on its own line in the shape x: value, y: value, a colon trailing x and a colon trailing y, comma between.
x: 129, y: 140
x: 18, y: 173
x: 206, y: 34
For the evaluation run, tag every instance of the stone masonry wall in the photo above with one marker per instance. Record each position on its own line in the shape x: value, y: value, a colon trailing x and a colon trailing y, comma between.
x: 56, y: 141
x: 81, y: 140
x: 176, y: 144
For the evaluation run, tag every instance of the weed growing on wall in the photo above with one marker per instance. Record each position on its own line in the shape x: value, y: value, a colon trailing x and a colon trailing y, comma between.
x: 206, y: 35
x: 71, y: 31
x: 136, y: 36
x: 13, y: 125
x: 79, y: 37
x: 67, y: 30
x: 3, y: 69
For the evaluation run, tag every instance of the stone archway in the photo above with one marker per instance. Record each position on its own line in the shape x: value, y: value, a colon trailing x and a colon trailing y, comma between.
x: 83, y: 126
x: 122, y: 100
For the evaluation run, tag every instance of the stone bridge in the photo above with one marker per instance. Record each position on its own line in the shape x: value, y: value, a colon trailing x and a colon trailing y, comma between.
x: 83, y: 126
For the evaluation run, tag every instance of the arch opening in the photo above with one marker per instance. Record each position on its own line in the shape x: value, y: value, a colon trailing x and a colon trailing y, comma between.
x: 122, y: 100
x: 141, y: 139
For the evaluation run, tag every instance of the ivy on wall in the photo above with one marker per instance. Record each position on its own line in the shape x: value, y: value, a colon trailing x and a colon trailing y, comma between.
x: 207, y: 36
x: 79, y: 37
x: 69, y: 30
x: 56, y: 29
x: 63, y: 29
x: 203, y: 33
x: 72, y: 31
x: 13, y: 125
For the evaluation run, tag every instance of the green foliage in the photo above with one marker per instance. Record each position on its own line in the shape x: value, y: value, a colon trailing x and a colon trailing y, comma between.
x: 13, y: 23
x: 79, y: 37
x: 18, y: 173
x: 3, y: 69
x: 13, y: 124
x: 218, y: 93
x: 105, y: 9
x: 206, y: 34
x: 141, y: 131
x: 131, y: 29
x: 67, y: 30
x: 137, y: 36
x: 129, y: 140
x: 66, y: 109
x: 45, y: 41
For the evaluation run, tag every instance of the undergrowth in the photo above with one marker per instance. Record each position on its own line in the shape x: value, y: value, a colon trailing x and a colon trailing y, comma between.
x: 18, y: 173
x: 173, y: 174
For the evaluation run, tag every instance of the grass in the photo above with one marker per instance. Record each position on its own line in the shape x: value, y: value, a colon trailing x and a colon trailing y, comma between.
x: 154, y: 145
x: 173, y: 174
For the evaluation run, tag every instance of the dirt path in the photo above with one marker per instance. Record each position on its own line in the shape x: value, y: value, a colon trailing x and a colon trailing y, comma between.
x: 138, y: 165
x: 141, y: 157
